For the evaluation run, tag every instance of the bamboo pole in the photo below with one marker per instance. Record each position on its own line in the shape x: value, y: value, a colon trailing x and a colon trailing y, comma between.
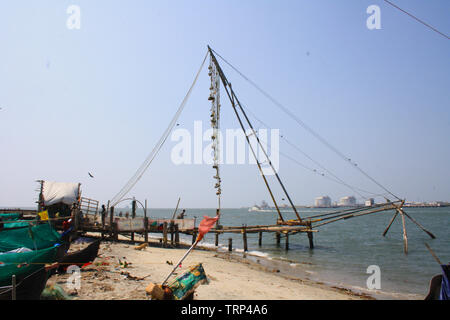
x: 390, y: 223
x: 260, y: 239
x: 419, y: 225
x: 405, y: 236
x: 179, y: 262
x: 230, y: 244
x: 356, y: 215
x: 176, y: 208
x: 433, y: 254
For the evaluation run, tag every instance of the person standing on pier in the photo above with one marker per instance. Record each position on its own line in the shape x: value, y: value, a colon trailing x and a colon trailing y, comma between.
x: 181, y: 215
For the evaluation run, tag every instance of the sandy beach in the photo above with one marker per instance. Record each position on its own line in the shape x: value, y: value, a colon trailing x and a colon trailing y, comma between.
x: 231, y: 277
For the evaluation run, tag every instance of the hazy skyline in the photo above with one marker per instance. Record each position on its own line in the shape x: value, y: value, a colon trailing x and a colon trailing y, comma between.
x: 98, y: 98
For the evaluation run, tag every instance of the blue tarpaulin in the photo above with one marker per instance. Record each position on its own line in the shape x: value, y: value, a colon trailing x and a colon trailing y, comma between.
x: 445, y: 286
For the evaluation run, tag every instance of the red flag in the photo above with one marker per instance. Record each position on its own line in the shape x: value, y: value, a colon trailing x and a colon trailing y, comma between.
x: 205, y: 225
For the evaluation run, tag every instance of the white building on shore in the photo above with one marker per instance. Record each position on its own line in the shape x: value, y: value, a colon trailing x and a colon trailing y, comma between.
x: 349, y: 201
x: 370, y: 202
x: 322, y: 202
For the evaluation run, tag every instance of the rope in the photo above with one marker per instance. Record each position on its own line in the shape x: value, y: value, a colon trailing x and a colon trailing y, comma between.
x: 417, y: 19
x: 307, y: 128
x: 141, y: 170
x: 336, y: 178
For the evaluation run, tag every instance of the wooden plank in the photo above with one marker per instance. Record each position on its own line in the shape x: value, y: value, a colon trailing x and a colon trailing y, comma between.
x: 130, y: 225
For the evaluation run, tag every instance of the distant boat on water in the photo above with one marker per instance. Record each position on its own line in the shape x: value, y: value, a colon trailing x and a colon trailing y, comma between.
x: 261, y: 208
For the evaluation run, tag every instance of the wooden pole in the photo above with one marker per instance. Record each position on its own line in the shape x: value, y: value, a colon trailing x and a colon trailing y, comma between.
x: 13, y: 291
x: 230, y: 244
x: 145, y: 223
x: 419, y: 225
x: 310, y: 238
x: 405, y: 236
x: 172, y: 229
x: 217, y: 239
x: 260, y: 239
x: 111, y: 220
x: 177, y: 236
x: 165, y: 234
x: 278, y: 237
x: 116, y: 231
x: 244, y: 238
x: 287, y: 241
x: 133, y: 214
x: 433, y: 254
x: 179, y: 262
x: 390, y: 223
x: 175, y: 212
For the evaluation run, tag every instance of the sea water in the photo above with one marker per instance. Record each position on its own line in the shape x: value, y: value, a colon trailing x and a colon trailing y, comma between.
x: 344, y: 250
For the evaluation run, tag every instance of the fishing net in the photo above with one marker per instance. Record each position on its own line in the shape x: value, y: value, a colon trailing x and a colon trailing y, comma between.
x: 32, y: 237
x: 23, y: 264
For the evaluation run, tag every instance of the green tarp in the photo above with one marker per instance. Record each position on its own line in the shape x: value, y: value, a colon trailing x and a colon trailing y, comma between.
x: 7, y: 218
x: 23, y: 264
x: 33, y: 237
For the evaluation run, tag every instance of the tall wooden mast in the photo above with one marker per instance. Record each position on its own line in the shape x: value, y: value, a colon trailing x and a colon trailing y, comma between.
x: 238, y: 107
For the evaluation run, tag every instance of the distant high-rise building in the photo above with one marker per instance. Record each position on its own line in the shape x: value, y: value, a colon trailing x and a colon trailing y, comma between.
x: 348, y: 201
x: 322, y: 202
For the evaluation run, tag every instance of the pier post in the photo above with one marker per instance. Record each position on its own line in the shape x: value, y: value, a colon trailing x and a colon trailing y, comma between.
x: 133, y: 215
x: 310, y: 238
x: 13, y: 291
x: 111, y: 220
x: 177, y: 236
x: 230, y: 244
x: 165, y: 234
x: 145, y: 223
x: 217, y: 239
x: 260, y: 239
x: 278, y: 237
x: 171, y: 233
x: 244, y: 238
x: 115, y: 232
x: 287, y: 241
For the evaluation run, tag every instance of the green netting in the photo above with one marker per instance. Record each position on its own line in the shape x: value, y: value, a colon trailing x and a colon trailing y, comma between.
x: 15, y: 225
x: 9, y: 216
x: 35, y: 238
x: 23, y: 264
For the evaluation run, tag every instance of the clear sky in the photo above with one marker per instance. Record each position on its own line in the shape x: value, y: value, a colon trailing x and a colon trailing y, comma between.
x: 97, y: 99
